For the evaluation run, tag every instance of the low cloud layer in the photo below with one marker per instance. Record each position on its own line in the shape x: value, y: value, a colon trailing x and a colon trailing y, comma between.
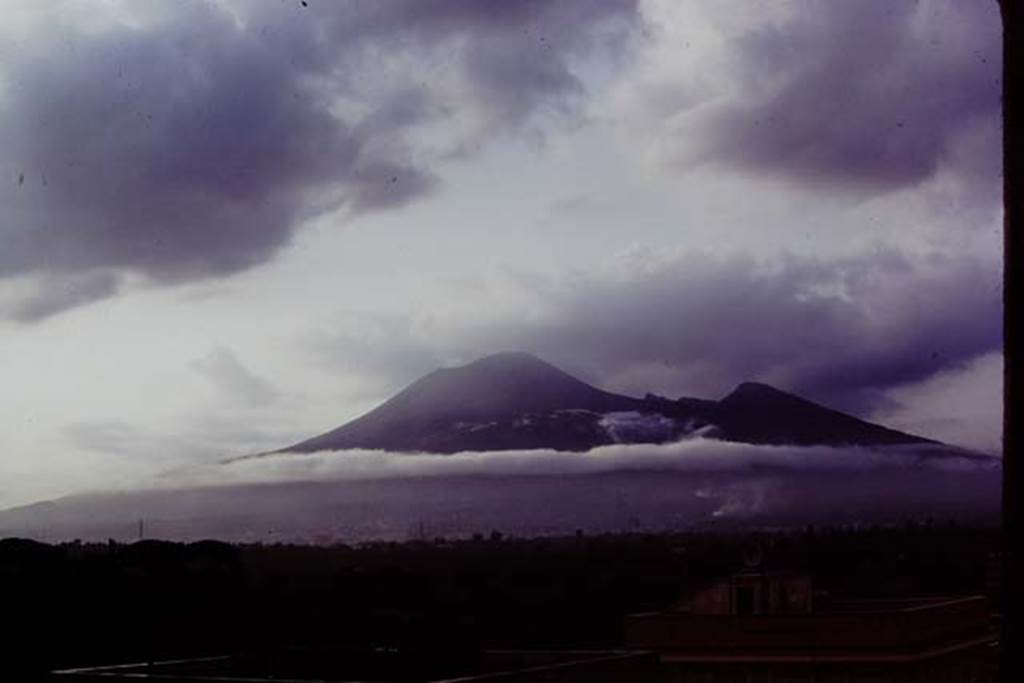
x: 190, y: 140
x: 360, y: 495
x: 695, y: 455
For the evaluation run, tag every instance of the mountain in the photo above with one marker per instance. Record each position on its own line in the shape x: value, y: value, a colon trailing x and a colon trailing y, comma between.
x: 501, y: 402
x: 758, y: 413
x: 517, y: 401
x: 761, y: 414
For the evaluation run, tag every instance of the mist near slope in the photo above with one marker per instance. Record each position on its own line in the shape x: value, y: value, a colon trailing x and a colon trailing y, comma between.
x: 696, y: 454
x: 698, y: 483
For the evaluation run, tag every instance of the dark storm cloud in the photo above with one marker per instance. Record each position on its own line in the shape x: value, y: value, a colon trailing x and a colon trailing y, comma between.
x: 838, y: 331
x: 517, y: 53
x: 873, y: 93
x: 192, y: 145
x: 181, y: 151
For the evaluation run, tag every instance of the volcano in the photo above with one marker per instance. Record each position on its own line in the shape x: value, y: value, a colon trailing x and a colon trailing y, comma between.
x: 517, y: 401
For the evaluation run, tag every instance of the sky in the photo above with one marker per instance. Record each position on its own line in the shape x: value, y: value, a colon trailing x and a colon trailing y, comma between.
x: 229, y: 225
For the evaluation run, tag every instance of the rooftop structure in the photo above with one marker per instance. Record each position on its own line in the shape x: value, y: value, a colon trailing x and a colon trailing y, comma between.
x: 772, y: 626
x: 384, y: 665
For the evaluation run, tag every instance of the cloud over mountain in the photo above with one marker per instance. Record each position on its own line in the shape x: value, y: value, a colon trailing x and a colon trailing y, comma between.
x: 346, y: 195
x: 841, y: 331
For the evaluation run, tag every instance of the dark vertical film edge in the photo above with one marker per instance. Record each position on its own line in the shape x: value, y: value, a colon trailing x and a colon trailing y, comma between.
x: 1011, y: 14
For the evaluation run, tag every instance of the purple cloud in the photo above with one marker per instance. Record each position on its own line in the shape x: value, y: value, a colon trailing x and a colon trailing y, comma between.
x: 841, y: 332
x: 193, y: 144
x: 872, y: 93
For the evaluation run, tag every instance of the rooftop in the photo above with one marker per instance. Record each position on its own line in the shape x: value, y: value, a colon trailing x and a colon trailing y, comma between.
x: 382, y: 665
x: 900, y: 629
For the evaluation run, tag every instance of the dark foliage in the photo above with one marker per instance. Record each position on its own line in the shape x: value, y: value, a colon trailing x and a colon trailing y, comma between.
x: 80, y: 604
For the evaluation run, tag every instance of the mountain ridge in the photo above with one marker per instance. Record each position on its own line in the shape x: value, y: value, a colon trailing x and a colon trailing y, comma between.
x: 514, y: 400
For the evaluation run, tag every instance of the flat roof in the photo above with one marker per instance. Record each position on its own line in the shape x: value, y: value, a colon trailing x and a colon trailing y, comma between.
x: 906, y: 627
x: 380, y: 664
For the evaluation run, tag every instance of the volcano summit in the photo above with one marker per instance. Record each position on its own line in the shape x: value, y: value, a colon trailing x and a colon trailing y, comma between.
x: 517, y: 401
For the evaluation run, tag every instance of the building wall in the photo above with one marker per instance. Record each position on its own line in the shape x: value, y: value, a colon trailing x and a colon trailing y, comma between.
x: 768, y: 594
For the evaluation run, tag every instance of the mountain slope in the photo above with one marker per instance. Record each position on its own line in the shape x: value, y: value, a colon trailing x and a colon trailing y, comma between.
x: 759, y: 413
x: 468, y: 407
x: 516, y: 401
